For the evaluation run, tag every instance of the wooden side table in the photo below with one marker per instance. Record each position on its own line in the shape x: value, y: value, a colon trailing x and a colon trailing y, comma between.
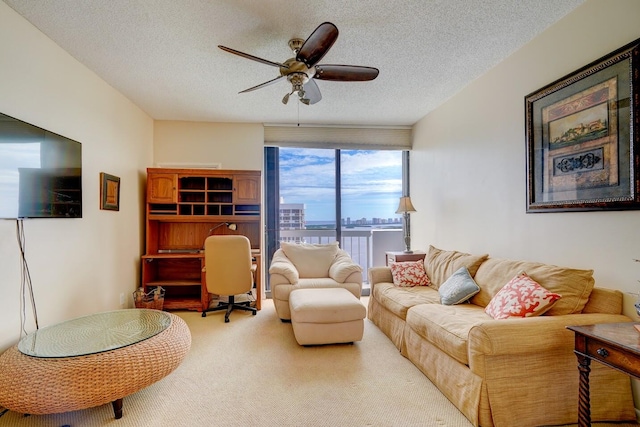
x: 393, y: 256
x: 616, y: 345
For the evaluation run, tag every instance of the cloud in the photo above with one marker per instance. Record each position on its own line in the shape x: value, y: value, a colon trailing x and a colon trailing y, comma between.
x: 371, y: 182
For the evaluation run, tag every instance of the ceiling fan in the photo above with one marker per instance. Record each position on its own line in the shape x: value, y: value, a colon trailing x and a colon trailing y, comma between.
x: 303, y: 68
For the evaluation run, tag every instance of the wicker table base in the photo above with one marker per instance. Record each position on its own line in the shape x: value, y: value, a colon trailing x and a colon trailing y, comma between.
x: 34, y: 385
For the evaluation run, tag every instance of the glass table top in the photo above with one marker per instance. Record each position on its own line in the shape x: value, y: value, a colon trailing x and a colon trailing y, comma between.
x: 95, y: 333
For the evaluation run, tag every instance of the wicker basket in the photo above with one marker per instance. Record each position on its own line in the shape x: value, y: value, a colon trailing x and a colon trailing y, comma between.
x: 153, y: 299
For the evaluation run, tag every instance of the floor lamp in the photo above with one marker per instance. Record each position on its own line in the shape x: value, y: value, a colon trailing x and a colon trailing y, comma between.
x: 404, y: 208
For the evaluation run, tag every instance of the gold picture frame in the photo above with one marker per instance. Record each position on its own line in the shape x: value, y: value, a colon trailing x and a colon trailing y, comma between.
x: 109, y: 192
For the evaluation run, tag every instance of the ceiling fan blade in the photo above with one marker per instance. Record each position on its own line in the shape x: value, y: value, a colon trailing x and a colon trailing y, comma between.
x: 253, y: 58
x: 345, y: 73
x: 261, y: 85
x: 312, y: 92
x: 318, y: 44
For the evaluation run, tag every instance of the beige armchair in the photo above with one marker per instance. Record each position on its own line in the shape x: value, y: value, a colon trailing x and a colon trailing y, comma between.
x: 299, y: 266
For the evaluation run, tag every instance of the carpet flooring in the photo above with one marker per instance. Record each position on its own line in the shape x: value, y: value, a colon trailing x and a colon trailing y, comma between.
x: 251, y: 372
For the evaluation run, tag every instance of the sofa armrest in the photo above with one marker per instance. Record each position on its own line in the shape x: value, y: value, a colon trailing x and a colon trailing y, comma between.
x: 531, y: 335
x: 379, y: 275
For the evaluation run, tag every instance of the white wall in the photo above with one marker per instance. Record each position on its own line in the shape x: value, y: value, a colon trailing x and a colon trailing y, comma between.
x: 468, y: 166
x: 78, y: 266
x: 233, y: 145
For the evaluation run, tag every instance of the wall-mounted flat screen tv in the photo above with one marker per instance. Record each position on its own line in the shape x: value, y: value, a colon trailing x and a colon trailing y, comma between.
x: 40, y: 172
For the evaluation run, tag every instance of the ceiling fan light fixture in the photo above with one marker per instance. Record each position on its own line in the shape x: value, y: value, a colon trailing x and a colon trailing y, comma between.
x: 304, y: 67
x: 301, y: 97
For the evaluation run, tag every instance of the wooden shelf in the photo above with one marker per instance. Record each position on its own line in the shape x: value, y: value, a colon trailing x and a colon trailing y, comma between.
x: 167, y: 283
x: 182, y: 304
x: 183, y: 205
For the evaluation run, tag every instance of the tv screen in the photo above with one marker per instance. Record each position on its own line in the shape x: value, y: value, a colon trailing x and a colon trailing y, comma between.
x: 40, y: 172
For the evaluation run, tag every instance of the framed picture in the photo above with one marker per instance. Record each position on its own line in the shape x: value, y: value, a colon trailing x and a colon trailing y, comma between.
x: 109, y: 192
x: 583, y: 134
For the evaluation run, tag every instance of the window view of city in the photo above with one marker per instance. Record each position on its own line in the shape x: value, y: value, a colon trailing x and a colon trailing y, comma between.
x: 371, y: 184
x: 369, y: 191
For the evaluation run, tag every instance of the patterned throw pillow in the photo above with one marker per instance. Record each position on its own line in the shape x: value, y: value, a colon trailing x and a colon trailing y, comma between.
x: 521, y: 297
x: 458, y: 288
x: 409, y: 273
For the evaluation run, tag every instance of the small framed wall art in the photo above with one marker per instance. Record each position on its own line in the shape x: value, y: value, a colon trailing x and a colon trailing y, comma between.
x: 583, y: 138
x: 109, y: 192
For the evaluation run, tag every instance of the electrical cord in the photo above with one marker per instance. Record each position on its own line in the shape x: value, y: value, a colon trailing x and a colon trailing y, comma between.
x: 25, y: 281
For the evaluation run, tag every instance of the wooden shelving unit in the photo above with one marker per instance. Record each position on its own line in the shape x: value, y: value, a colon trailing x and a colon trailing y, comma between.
x: 182, y: 206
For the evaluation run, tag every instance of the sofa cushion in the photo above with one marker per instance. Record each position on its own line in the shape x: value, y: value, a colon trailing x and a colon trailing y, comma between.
x: 409, y: 273
x: 447, y: 326
x: 311, y: 260
x: 398, y: 300
x: 440, y: 264
x: 458, y: 288
x: 574, y: 285
x: 521, y: 297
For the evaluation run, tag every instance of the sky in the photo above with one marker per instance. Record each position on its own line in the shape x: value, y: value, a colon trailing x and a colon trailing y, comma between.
x: 371, y: 182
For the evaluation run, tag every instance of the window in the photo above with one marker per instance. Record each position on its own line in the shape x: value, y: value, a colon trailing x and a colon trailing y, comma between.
x: 322, y: 195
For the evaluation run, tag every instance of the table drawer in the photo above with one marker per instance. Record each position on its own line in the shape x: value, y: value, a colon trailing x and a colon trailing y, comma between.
x: 611, y: 356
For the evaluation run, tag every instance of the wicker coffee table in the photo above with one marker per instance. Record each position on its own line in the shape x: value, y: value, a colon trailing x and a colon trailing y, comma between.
x: 91, y: 361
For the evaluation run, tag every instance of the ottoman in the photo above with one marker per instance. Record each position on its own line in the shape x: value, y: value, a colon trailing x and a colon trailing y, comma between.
x: 326, y: 316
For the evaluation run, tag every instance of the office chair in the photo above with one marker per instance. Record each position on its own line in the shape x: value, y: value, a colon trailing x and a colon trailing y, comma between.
x: 229, y: 271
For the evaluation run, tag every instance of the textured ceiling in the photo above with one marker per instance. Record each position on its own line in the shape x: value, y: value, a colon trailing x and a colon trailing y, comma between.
x: 163, y: 55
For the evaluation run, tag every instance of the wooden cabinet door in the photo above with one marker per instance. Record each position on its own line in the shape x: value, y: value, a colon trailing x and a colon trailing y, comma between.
x: 246, y: 189
x: 162, y: 188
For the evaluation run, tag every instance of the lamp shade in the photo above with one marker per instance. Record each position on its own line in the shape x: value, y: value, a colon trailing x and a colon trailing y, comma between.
x: 405, y: 205
x: 231, y: 226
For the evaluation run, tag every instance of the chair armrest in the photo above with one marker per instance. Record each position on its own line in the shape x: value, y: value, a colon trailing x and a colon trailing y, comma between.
x: 343, y: 268
x: 281, y: 265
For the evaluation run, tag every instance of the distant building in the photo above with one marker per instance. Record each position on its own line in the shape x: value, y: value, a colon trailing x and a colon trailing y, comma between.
x: 292, y: 218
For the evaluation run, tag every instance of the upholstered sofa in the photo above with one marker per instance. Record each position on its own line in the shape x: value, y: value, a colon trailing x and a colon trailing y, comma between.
x: 303, y: 265
x: 507, y: 372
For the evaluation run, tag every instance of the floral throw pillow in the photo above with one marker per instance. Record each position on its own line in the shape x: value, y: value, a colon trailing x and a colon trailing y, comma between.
x: 409, y: 273
x: 521, y: 297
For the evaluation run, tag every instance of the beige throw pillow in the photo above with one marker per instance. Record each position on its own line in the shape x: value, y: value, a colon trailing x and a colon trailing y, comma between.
x: 574, y: 285
x: 440, y: 264
x: 311, y: 260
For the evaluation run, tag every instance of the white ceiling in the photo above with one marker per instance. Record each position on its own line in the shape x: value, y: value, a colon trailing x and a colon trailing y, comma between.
x: 163, y: 55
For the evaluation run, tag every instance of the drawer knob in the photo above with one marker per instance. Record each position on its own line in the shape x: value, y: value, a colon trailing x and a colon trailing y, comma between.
x: 602, y: 352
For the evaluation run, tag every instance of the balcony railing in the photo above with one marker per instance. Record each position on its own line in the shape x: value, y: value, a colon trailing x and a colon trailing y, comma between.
x: 366, y: 246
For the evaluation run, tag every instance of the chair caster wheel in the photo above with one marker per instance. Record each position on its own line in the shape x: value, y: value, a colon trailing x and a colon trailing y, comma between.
x: 226, y: 320
x: 204, y: 314
x: 254, y: 313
